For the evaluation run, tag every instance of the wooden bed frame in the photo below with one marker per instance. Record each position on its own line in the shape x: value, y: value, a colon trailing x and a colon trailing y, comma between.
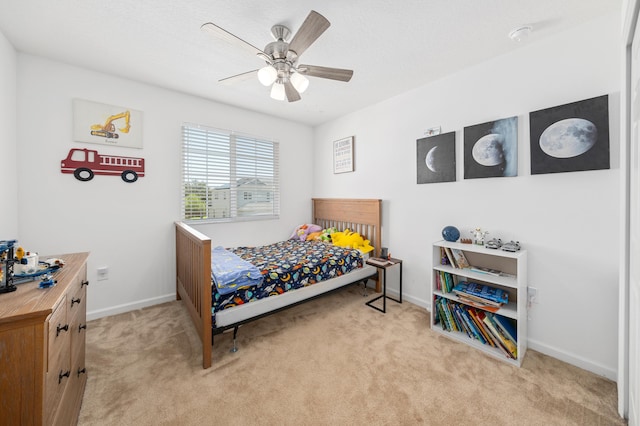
x: 193, y: 256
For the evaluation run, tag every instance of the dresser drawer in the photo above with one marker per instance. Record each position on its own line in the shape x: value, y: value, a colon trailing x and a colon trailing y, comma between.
x: 59, y: 367
x: 77, y: 301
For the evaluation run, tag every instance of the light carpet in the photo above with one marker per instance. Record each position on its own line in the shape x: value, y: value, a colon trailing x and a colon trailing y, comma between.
x: 331, y: 361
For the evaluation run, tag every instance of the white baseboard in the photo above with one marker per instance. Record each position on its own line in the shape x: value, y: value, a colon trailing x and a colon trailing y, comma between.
x: 573, y: 359
x: 569, y: 358
x: 114, y: 310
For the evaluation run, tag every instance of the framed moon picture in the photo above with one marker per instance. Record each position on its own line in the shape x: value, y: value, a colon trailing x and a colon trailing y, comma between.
x: 437, y: 158
x: 571, y: 137
x: 491, y: 149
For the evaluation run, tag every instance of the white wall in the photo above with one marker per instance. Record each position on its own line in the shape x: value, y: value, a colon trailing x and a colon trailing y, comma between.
x: 9, y: 215
x: 129, y: 227
x: 568, y: 222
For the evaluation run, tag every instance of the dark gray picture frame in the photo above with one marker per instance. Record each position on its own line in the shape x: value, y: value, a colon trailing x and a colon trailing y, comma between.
x: 491, y: 149
x: 436, y: 158
x: 571, y: 137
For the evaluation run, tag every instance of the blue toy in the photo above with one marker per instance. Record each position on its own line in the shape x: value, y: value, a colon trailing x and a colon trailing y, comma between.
x: 450, y: 233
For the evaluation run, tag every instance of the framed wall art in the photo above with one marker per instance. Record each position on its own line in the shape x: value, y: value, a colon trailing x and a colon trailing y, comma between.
x: 94, y: 122
x: 436, y: 158
x: 343, y: 155
x: 491, y: 149
x: 571, y: 137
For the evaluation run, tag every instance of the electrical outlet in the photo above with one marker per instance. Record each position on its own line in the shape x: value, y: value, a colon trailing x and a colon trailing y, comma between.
x: 532, y: 295
x: 103, y: 273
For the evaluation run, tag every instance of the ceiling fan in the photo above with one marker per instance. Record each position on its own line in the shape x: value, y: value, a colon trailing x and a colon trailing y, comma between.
x: 282, y: 72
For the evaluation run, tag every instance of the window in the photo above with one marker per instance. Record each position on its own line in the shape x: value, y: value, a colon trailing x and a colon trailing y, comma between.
x: 228, y: 176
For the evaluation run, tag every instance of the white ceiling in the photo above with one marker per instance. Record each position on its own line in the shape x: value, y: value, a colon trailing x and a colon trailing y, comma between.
x: 392, y: 45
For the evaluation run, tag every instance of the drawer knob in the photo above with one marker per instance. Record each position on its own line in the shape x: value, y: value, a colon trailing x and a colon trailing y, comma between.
x: 82, y: 326
x: 62, y: 328
x: 83, y: 283
x: 81, y: 371
x: 62, y: 375
x: 75, y: 300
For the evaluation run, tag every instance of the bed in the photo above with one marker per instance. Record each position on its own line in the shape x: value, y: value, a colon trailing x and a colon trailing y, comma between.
x: 193, y: 270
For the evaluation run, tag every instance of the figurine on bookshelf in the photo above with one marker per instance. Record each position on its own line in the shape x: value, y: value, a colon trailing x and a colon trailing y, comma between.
x: 494, y: 243
x: 511, y: 246
x: 478, y: 236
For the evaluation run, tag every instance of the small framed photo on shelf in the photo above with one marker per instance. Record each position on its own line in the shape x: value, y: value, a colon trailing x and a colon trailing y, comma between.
x: 343, y: 155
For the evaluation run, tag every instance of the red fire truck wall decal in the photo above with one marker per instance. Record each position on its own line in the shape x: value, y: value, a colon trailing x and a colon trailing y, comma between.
x: 85, y: 163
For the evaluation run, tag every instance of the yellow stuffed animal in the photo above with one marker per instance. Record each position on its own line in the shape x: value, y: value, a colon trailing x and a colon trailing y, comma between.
x: 351, y: 240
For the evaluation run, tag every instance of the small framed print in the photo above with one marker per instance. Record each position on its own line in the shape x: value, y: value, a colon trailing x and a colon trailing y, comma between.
x: 343, y: 155
x: 94, y: 122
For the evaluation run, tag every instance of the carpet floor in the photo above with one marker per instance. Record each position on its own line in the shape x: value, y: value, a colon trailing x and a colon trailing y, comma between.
x: 331, y: 361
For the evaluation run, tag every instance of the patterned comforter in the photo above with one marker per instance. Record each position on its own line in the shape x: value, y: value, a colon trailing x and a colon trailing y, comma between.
x: 288, y: 265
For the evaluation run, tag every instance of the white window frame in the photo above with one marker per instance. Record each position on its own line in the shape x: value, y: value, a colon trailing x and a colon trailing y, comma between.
x: 225, y: 159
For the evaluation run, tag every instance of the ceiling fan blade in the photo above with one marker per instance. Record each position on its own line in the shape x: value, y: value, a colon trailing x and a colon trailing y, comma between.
x: 291, y: 92
x: 326, y: 72
x: 239, y: 77
x: 225, y: 35
x: 312, y: 28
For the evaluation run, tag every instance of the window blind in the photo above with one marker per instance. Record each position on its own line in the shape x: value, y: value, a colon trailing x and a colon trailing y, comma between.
x: 228, y: 176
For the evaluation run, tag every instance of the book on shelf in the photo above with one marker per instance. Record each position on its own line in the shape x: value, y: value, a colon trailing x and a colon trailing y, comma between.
x: 482, y: 336
x: 483, y: 270
x: 441, y: 303
x: 488, y: 294
x: 444, y: 260
x: 481, y: 304
x: 460, y: 258
x: 379, y: 261
x: 509, y: 344
x: 495, y: 335
x: 452, y: 260
x: 466, y: 297
x: 461, y: 319
x: 508, y: 327
x: 445, y: 281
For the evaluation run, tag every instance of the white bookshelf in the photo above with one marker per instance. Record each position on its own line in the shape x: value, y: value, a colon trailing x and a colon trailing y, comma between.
x: 514, y: 281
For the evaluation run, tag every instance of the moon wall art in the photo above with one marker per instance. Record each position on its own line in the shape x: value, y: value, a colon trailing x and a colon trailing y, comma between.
x: 437, y: 158
x: 571, y: 137
x: 491, y: 149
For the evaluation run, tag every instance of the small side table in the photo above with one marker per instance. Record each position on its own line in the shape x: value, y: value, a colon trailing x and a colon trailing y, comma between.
x: 384, y: 296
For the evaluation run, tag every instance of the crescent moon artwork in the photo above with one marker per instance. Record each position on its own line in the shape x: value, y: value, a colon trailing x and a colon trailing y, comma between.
x: 436, y: 158
x: 570, y: 137
x: 430, y: 161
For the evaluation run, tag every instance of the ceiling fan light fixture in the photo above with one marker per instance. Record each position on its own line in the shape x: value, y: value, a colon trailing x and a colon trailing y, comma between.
x: 299, y: 81
x: 277, y: 91
x: 267, y: 75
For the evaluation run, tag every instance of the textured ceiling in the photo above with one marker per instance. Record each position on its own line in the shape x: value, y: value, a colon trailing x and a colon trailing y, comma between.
x: 392, y: 46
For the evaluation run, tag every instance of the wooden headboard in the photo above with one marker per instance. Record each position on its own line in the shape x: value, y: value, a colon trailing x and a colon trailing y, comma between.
x: 359, y: 215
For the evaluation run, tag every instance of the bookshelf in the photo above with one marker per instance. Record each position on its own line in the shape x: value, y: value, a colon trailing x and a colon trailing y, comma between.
x: 513, y: 265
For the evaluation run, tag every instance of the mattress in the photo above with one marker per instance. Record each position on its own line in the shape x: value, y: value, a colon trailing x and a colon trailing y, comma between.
x: 287, y: 266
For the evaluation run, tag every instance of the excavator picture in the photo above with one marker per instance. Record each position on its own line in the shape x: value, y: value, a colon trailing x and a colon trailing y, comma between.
x: 108, y: 130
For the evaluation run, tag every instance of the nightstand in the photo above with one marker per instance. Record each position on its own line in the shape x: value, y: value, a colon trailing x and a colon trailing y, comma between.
x: 383, y: 296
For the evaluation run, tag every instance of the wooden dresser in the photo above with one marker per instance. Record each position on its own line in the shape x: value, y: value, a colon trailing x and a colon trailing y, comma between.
x: 42, y: 346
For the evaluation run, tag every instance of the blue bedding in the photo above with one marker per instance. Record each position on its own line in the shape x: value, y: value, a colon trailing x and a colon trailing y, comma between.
x: 230, y: 273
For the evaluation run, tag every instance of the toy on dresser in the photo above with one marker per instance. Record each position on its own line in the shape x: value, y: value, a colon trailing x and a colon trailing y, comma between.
x: 18, y: 266
x: 7, y: 248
